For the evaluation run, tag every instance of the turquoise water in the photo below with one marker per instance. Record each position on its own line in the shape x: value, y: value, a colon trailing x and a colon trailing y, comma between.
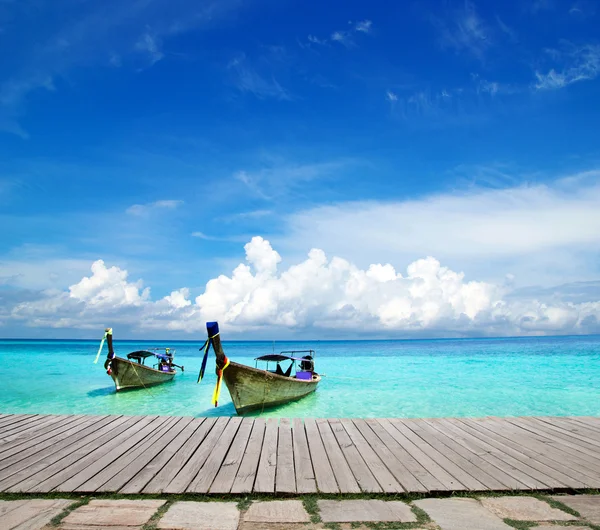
x: 423, y: 378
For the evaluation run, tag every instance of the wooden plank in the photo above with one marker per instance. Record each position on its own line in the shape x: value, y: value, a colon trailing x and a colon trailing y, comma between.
x: 567, y: 443
x: 21, y: 452
x: 32, y: 460
x: 404, y: 477
x: 26, y: 424
x: 423, y: 452
x: 162, y: 460
x: 265, y: 474
x: 538, y: 466
x: 7, y: 419
x: 50, y: 431
x: 130, y: 469
x: 225, y: 477
x: 285, y: 475
x: 73, y: 447
x: 427, y: 479
x: 324, y: 476
x: 179, y: 460
x: 556, y: 449
x: 557, y: 425
x: 246, y: 474
x: 344, y: 477
x: 484, y: 456
x: 189, y: 471
x: 210, y: 469
x: 584, y: 423
x: 80, y: 459
x: 303, y: 467
x: 100, y: 459
x: 13, y: 440
x: 116, y: 464
x: 363, y: 475
x: 382, y: 474
x: 481, y: 470
x: 13, y: 419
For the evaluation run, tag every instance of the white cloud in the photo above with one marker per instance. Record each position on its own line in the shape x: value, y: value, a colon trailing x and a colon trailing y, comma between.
x: 542, y: 232
x: 247, y: 79
x: 148, y: 208
x: 465, y: 30
x: 391, y: 96
x: 315, y: 294
x: 574, y: 64
x: 364, y: 26
x: 149, y: 44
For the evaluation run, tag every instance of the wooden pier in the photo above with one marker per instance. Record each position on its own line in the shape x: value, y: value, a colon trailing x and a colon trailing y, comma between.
x: 169, y: 454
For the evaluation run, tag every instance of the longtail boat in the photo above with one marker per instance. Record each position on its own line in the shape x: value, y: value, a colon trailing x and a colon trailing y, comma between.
x: 133, y: 372
x: 252, y: 388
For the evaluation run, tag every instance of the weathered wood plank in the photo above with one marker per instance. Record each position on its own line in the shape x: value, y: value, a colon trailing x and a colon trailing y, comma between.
x: 180, y: 459
x: 324, y: 476
x: 562, y: 453
x: 210, y: 469
x: 57, y: 458
x: 189, y: 471
x: 130, y: 468
x: 482, y: 456
x: 509, y: 465
x: 27, y: 424
x: 29, y: 471
x: 303, y: 466
x: 535, y: 464
x: 404, y: 477
x: 265, y: 475
x: 428, y: 480
x: 285, y: 475
x: 565, y: 442
x: 246, y: 474
x: 100, y: 459
x: 10, y: 441
x: 449, y: 482
x: 343, y: 474
x: 488, y: 475
x: 226, y: 476
x: 363, y: 475
x: 23, y: 451
x: 131, y: 451
x: 380, y: 471
x: 162, y: 460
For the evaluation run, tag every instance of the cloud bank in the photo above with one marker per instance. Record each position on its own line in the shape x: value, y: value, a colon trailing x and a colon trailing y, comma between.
x: 316, y: 295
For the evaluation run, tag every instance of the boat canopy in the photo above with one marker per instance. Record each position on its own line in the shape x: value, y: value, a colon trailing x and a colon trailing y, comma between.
x: 278, y: 357
x: 143, y: 354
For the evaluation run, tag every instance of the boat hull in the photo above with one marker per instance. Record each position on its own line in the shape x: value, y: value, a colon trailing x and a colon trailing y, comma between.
x: 127, y: 374
x: 253, y: 389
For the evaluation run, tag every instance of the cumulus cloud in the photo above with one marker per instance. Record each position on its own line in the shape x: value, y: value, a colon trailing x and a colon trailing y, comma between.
x: 317, y: 293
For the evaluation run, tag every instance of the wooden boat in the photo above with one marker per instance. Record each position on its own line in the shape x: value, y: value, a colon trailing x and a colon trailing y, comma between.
x: 133, y: 372
x: 254, y: 389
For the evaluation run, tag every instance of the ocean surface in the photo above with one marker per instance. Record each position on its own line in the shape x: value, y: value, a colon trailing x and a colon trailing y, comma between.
x: 412, y: 378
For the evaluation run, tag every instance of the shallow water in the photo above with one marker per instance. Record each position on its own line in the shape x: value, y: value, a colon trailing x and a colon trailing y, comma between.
x: 422, y: 378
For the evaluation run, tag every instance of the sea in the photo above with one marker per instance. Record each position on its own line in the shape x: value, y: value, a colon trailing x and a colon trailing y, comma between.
x: 541, y: 376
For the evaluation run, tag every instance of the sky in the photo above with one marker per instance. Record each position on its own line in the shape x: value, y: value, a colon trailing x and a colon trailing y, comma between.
x: 299, y: 169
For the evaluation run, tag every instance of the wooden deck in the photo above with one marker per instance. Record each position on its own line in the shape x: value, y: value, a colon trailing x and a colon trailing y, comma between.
x: 167, y: 454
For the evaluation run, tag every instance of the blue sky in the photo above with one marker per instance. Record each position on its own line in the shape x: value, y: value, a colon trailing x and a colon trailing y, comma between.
x: 161, y: 137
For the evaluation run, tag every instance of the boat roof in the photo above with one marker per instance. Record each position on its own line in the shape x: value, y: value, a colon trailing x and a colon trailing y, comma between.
x: 280, y: 357
x: 144, y: 354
